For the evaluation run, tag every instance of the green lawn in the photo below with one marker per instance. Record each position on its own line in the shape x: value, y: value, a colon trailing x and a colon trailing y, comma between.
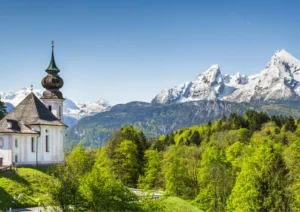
x: 175, y: 204
x: 27, y: 185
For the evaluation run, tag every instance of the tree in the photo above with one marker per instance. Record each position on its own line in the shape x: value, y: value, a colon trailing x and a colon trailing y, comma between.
x: 290, y: 124
x: 292, y: 161
x: 125, y: 164
x: 65, y: 189
x: 103, y: 191
x: 195, y: 139
x: 153, y: 178
x: 180, y: 165
x: 261, y: 184
x: 2, y: 109
x: 236, y: 121
x: 215, y: 179
x: 132, y: 134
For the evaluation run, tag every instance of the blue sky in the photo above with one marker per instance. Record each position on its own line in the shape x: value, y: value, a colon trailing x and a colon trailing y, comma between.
x: 130, y: 50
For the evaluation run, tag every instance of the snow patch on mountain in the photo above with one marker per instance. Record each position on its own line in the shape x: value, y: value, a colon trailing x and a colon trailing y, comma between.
x: 81, y: 109
x: 278, y: 81
x: 75, y: 110
x: 210, y: 85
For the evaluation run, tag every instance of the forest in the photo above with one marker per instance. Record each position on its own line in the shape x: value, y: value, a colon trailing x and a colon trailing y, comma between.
x: 237, y: 163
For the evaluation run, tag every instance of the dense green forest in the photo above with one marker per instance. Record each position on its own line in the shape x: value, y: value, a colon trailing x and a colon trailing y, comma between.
x: 237, y: 163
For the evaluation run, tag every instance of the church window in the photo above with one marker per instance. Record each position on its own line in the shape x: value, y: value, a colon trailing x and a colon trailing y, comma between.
x: 47, y: 143
x: 59, y: 111
x: 50, y: 107
x: 1, y: 142
x: 16, y: 143
x: 32, y: 145
x: 16, y: 158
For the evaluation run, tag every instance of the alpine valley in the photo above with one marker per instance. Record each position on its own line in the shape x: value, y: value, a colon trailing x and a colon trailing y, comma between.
x: 275, y: 90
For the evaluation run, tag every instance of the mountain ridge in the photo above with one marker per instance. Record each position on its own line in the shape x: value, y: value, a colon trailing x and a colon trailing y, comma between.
x: 279, y: 80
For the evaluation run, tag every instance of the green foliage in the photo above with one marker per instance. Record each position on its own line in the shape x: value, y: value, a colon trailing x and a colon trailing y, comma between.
x: 65, y: 188
x: 150, y: 205
x: 239, y: 163
x: 126, y: 153
x: 153, y: 120
x: 125, y: 164
x: 292, y: 160
x: 153, y: 178
x: 261, y: 184
x: 175, y: 204
x: 103, y: 192
x: 2, y: 109
x: 215, y: 179
x: 180, y: 165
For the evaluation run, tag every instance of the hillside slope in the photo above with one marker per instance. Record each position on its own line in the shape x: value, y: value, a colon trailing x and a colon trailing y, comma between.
x: 153, y: 120
x: 28, y: 186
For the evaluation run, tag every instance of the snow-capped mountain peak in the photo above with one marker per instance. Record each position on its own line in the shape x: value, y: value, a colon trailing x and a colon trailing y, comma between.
x: 280, y: 80
x: 283, y: 57
x: 211, y: 75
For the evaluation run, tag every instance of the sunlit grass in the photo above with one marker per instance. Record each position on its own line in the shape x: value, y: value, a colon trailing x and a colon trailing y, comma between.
x: 24, y: 188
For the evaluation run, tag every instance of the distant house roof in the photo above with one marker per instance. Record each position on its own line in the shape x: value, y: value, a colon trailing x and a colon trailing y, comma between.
x: 31, y: 111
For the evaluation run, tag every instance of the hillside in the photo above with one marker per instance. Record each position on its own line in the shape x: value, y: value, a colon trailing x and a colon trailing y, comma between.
x: 28, y: 186
x: 155, y: 120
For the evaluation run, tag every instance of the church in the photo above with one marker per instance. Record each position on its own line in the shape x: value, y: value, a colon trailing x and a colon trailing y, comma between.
x: 33, y: 133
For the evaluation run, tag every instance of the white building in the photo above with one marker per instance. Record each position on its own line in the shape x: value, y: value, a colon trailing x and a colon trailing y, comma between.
x: 33, y: 133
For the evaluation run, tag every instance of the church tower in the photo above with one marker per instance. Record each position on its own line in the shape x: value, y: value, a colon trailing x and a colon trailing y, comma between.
x: 52, y: 97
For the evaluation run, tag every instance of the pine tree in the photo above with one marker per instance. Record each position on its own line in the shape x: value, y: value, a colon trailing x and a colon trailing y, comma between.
x: 2, y: 109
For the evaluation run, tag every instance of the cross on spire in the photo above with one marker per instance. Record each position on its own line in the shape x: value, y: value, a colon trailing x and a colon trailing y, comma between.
x: 31, y: 88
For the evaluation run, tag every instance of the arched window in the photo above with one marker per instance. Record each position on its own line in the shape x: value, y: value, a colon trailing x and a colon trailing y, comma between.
x: 47, y: 143
x: 50, y: 107
x: 32, y: 144
x: 59, y: 111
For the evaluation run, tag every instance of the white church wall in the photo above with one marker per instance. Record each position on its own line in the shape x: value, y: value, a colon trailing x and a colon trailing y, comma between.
x: 56, y: 107
x: 56, y: 141
x: 5, y: 149
x: 28, y: 154
x: 17, y: 148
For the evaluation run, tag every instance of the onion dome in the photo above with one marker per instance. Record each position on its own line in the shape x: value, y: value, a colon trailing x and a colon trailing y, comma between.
x: 52, y: 82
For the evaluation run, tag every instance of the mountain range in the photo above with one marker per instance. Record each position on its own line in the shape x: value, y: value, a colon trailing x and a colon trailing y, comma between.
x: 278, y: 81
x: 73, y: 111
x: 275, y: 90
